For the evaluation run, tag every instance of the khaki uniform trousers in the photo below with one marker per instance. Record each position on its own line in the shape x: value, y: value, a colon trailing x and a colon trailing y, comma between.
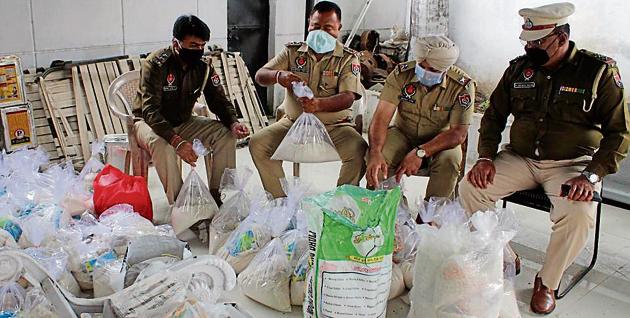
x: 212, y: 133
x: 571, y: 219
x: 444, y: 167
x: 349, y: 143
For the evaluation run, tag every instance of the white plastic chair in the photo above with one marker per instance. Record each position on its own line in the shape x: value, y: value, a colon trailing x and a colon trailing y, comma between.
x: 120, y: 97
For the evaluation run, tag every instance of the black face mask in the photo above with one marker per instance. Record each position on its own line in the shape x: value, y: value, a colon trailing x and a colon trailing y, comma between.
x: 537, y: 55
x: 190, y: 56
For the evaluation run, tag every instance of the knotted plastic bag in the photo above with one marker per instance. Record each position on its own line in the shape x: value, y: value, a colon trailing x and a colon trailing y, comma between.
x: 93, y: 166
x: 112, y: 187
x: 298, y: 280
x: 266, y: 279
x: 457, y: 261
x: 307, y: 141
x: 234, y: 209
x: 194, y: 202
x: 246, y: 241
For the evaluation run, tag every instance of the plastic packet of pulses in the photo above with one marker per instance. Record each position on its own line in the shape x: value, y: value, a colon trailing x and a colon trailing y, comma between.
x: 194, y: 202
x: 352, y: 259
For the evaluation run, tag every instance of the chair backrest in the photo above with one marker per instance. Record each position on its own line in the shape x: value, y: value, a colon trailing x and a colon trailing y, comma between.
x: 617, y: 186
x: 121, y: 94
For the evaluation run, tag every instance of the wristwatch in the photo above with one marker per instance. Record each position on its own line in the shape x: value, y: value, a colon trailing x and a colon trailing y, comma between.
x: 591, y: 177
x: 420, y: 152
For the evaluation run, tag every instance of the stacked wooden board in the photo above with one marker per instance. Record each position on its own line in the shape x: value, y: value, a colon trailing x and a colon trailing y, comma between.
x: 70, y: 102
x: 239, y: 88
x: 46, y: 136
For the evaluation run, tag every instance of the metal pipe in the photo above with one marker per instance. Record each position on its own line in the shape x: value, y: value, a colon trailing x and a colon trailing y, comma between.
x: 355, y: 27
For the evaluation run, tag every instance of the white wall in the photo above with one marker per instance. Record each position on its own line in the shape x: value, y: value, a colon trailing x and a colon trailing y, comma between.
x: 46, y: 30
x: 487, y: 32
x: 381, y: 16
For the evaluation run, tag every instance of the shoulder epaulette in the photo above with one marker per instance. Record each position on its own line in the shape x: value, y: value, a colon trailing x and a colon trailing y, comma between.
x: 518, y: 59
x: 405, y: 66
x: 160, y: 57
x: 602, y: 58
x: 458, y: 75
x: 351, y: 51
x: 294, y: 43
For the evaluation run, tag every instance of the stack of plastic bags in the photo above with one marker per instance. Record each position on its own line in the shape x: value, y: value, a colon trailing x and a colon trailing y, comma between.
x: 405, y: 244
x: 459, y: 268
x: 266, y: 247
x: 268, y: 221
x: 18, y: 298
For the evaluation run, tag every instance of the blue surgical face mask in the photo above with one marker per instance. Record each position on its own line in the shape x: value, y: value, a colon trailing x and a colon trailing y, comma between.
x: 428, y: 78
x: 320, y: 41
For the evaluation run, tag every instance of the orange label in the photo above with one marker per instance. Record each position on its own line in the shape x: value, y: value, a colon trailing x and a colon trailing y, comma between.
x: 10, y: 90
x: 19, y: 127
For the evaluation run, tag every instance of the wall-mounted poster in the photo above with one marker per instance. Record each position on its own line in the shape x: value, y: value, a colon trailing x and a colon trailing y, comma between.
x: 11, y: 84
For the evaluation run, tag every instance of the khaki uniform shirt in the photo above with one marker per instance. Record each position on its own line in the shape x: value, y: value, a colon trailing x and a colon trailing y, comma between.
x: 336, y: 72
x: 575, y: 110
x: 422, y: 112
x: 167, y: 92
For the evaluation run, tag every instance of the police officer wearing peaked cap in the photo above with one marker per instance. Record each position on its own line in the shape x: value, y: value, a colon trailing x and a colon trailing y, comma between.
x: 571, y: 126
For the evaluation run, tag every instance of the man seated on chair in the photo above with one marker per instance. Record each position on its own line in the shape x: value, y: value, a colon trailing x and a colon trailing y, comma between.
x: 333, y: 74
x: 171, y: 81
x: 570, y: 127
x: 434, y: 100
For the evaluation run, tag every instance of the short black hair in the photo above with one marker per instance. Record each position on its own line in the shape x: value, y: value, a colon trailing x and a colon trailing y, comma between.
x: 327, y: 6
x: 565, y: 28
x: 190, y: 25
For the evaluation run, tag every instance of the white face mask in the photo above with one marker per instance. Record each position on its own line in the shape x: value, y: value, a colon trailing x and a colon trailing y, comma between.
x: 428, y: 78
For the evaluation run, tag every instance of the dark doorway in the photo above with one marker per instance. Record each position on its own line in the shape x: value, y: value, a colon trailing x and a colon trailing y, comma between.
x: 248, y: 33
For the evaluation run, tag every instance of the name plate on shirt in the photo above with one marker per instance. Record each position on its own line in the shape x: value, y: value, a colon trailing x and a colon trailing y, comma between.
x: 524, y: 84
x: 169, y: 88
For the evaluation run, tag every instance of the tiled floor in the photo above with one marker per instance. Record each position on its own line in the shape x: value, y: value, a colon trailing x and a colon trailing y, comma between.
x: 604, y: 293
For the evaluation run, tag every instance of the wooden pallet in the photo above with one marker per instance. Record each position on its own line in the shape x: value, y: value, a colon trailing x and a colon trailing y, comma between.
x: 239, y: 88
x: 46, y: 136
x: 56, y: 91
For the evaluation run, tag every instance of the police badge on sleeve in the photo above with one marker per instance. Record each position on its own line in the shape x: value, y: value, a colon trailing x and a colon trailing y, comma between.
x: 170, y: 79
x: 464, y: 100
x: 300, y: 64
x: 408, y: 91
x: 216, y: 80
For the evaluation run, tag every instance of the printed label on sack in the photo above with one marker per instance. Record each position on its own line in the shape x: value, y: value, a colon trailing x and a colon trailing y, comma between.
x: 360, y: 292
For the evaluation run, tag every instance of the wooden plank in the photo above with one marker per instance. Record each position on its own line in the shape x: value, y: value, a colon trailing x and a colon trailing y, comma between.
x: 135, y: 61
x: 49, y: 106
x: 235, y: 100
x: 123, y: 66
x: 100, y: 100
x: 97, y: 123
x: 83, y: 131
x: 254, y: 119
x: 254, y: 94
x: 104, y: 107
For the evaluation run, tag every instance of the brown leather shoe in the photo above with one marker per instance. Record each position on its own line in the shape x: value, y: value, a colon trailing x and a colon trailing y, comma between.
x: 543, y: 300
x: 517, y: 265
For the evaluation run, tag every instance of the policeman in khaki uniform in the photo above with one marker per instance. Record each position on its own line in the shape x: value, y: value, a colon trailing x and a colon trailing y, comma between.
x: 333, y: 74
x: 571, y: 127
x: 434, y: 100
x: 171, y: 81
